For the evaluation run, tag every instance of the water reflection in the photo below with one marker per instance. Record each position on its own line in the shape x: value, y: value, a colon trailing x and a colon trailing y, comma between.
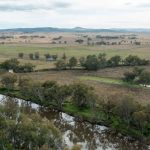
x: 90, y: 137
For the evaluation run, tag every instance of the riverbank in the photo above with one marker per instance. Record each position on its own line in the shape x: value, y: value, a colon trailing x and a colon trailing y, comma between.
x: 96, y: 116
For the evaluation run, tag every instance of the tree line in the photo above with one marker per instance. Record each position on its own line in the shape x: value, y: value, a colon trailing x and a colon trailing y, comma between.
x: 36, y: 56
x: 93, y: 62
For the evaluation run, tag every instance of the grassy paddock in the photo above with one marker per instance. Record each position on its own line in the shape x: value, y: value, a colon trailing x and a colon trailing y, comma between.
x: 8, y: 51
x: 12, y: 50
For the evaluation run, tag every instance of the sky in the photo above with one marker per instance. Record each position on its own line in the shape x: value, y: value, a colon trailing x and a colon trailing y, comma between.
x: 75, y: 13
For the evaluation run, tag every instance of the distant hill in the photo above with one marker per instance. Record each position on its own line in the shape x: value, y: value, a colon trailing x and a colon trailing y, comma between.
x: 76, y: 29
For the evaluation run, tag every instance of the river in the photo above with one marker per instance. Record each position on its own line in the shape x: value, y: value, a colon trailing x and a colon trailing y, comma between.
x: 90, y: 137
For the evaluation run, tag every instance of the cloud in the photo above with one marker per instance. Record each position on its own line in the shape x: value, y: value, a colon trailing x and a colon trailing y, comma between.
x: 61, y: 5
x: 71, y: 13
x: 144, y: 5
x: 15, y: 5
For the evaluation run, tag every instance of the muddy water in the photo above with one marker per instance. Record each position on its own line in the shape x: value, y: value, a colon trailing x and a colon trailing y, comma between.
x: 90, y: 137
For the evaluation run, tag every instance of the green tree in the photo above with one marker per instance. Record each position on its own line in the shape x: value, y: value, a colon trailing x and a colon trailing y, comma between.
x: 37, y: 56
x: 9, y: 80
x: 91, y: 63
x: 114, y: 61
x: 81, y: 95
x: 72, y: 62
x: 102, y: 60
x: 61, y: 64
x: 31, y: 56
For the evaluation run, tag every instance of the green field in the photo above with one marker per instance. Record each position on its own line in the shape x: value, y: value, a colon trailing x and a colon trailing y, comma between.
x: 12, y: 50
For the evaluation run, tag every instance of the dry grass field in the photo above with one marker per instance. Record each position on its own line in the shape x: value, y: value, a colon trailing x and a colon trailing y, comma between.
x: 112, y: 91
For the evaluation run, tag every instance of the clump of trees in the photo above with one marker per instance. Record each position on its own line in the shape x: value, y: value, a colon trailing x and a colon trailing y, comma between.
x: 51, y: 93
x: 138, y: 75
x: 63, y: 63
x: 135, y: 61
x: 14, y: 64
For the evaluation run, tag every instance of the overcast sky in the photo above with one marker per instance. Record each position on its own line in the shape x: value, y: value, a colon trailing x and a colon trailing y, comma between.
x: 75, y: 13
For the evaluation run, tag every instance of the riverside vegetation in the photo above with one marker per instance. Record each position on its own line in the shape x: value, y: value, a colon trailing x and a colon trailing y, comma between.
x: 125, y: 116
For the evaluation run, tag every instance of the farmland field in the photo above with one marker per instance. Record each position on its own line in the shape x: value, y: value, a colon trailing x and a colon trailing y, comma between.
x: 105, y: 81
